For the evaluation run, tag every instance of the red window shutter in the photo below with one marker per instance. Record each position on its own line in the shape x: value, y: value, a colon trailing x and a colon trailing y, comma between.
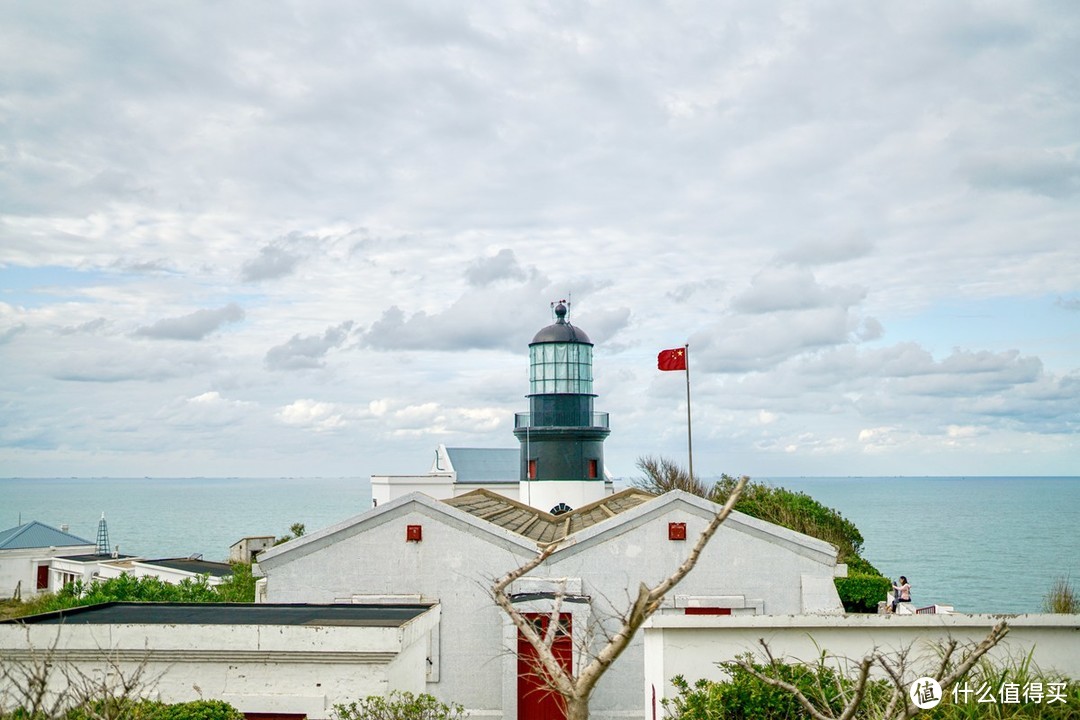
x: 414, y: 533
x: 676, y: 531
x: 707, y: 611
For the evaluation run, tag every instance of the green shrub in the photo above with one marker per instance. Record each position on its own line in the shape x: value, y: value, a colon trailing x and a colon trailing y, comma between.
x: 125, y: 708
x: 240, y: 587
x: 794, y: 510
x: 745, y: 697
x: 862, y: 593
x: 399, y: 706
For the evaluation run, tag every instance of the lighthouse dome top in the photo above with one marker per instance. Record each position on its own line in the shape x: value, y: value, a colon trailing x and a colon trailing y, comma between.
x: 562, y: 331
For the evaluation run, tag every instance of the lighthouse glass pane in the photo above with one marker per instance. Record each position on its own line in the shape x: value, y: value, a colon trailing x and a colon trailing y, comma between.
x: 560, y: 368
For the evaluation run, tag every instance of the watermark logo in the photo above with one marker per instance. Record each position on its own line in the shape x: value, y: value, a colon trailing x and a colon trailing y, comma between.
x: 925, y: 693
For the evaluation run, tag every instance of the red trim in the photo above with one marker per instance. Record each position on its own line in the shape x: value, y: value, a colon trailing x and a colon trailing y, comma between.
x: 706, y: 611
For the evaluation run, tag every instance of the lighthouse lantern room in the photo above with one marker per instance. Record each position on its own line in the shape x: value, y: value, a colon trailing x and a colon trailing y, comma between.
x: 562, y: 438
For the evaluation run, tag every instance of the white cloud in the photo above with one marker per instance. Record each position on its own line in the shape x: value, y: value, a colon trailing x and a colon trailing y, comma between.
x: 795, y: 193
x: 193, y: 326
x: 312, y: 415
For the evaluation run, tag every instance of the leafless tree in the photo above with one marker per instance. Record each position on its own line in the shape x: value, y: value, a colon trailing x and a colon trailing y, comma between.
x: 896, y: 669
x: 575, y: 690
x: 44, y: 684
x: 663, y: 474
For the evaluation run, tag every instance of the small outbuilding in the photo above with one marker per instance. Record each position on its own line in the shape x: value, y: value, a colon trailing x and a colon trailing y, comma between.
x: 288, y: 662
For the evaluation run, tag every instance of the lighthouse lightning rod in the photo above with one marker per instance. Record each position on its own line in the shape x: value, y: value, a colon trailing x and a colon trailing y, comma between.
x: 689, y: 434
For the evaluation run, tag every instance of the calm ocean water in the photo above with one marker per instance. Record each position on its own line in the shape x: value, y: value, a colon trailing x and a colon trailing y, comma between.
x: 980, y: 544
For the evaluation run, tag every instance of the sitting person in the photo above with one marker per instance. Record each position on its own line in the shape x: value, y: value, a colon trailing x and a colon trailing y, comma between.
x: 901, y: 592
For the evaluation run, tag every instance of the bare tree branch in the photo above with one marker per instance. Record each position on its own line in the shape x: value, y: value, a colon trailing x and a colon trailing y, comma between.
x: 899, y: 707
x: 576, y: 690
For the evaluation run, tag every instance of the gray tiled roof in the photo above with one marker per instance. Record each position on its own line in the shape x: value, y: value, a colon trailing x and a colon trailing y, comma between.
x: 38, y: 535
x: 478, y: 465
x: 538, y: 525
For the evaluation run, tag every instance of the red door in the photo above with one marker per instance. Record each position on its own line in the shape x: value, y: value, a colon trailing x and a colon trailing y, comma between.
x: 536, y: 700
x: 43, y: 577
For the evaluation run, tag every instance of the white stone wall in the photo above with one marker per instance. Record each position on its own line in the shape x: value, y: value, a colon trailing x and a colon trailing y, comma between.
x: 20, y: 566
x: 692, y: 645
x: 256, y: 668
x: 452, y: 565
x: 750, y: 566
x: 107, y: 571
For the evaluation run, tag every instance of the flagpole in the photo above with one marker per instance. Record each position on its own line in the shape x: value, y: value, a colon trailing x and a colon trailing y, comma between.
x: 689, y: 434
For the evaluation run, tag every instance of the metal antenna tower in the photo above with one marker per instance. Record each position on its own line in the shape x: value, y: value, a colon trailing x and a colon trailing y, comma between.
x: 102, y: 536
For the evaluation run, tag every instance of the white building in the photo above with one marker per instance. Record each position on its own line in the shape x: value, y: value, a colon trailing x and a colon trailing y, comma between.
x: 478, y: 513
x: 246, y: 550
x: 282, y: 662
x: 419, y: 549
x: 456, y: 471
x: 27, y: 553
x: 170, y: 570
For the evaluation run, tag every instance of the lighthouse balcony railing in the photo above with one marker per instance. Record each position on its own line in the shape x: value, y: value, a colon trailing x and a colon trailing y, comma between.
x: 561, y: 419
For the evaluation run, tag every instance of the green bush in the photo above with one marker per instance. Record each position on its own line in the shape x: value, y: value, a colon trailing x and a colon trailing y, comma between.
x: 124, y: 708
x: 801, y: 513
x: 745, y: 697
x: 399, y: 706
x: 862, y: 593
x: 240, y: 587
x: 794, y: 510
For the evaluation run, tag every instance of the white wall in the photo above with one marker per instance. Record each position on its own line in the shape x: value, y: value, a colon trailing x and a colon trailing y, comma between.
x: 256, y: 668
x: 749, y: 565
x: 20, y: 566
x: 692, y: 645
x: 385, y: 488
x: 453, y: 564
x: 137, y: 569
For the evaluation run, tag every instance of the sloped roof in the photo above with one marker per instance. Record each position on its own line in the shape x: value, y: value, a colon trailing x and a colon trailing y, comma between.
x: 479, y: 465
x: 538, y: 525
x: 38, y: 535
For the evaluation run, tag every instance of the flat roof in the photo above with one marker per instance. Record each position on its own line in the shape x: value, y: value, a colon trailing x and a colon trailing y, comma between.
x: 125, y: 613
x: 199, y: 567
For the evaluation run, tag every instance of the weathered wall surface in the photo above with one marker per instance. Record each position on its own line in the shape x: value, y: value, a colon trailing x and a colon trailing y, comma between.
x: 691, y: 646
x: 257, y: 668
x: 750, y: 567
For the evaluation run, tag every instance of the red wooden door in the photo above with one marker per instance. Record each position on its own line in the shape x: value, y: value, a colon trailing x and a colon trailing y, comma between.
x: 43, y: 577
x: 536, y: 700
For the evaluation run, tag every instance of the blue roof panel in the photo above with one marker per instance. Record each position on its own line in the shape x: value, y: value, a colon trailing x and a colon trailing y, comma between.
x: 38, y: 535
x: 479, y: 465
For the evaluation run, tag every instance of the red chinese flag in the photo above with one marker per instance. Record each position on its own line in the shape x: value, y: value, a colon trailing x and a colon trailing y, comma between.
x: 674, y: 359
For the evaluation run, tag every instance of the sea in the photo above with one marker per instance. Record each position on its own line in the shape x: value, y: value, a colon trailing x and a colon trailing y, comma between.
x: 980, y: 544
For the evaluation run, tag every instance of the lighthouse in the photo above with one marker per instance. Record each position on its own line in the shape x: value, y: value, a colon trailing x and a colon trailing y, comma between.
x: 562, y: 438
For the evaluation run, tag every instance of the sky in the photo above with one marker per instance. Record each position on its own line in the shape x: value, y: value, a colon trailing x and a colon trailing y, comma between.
x: 316, y: 238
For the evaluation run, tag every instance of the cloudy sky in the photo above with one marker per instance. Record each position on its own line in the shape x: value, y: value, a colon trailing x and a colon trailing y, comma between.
x: 315, y: 238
